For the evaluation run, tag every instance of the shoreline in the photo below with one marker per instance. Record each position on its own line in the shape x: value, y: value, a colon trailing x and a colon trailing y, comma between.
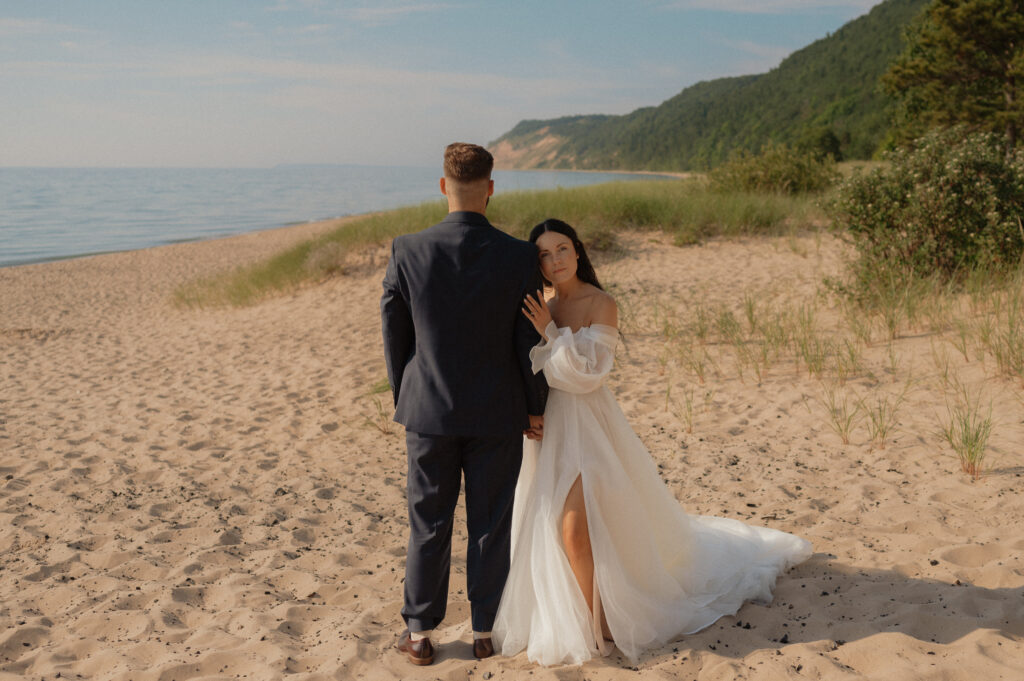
x: 179, y: 242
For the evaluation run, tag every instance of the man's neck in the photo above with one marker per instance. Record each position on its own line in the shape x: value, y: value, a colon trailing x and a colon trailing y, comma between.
x: 454, y: 207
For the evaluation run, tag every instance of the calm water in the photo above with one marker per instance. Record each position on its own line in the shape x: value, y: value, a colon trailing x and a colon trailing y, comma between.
x: 52, y: 213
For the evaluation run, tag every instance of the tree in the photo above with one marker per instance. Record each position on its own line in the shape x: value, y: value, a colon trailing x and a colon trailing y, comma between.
x: 963, y: 64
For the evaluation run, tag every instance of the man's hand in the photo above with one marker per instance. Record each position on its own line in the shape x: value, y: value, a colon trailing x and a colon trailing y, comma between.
x: 536, y: 430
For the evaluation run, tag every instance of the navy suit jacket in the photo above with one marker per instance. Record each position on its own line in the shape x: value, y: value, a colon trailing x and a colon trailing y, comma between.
x: 455, y: 340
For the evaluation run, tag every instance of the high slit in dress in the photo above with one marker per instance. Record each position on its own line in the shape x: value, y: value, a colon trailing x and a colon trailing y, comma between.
x: 659, y: 573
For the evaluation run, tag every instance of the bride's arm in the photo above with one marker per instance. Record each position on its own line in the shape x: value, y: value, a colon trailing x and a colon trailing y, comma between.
x: 578, y: 363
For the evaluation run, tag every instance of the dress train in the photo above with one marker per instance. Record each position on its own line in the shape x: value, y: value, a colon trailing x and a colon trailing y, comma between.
x: 658, y: 572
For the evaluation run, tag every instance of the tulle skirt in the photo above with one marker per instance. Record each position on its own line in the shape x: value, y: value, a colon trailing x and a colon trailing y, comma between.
x: 658, y: 572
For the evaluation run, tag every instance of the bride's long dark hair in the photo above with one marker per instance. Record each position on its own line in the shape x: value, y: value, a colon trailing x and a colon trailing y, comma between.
x: 584, y: 269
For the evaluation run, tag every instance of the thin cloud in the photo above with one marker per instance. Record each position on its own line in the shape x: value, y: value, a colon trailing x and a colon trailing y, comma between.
x: 363, y: 13
x: 222, y: 69
x: 769, y: 6
x: 310, y: 29
x: 292, y: 5
x: 383, y: 14
x: 16, y: 27
x: 770, y: 53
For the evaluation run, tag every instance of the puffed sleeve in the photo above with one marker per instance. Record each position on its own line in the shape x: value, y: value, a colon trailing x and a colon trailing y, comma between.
x: 576, y: 363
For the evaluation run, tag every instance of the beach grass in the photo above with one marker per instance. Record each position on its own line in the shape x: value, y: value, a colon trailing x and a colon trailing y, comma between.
x: 683, y: 208
x: 967, y: 429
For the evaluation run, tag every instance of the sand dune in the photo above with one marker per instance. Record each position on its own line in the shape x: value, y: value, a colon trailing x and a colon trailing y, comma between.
x: 213, y: 494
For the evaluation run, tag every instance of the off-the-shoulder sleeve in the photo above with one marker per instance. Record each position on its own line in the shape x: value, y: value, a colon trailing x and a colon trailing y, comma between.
x: 576, y: 363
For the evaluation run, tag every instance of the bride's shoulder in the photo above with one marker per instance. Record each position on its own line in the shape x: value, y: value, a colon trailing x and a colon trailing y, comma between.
x: 603, y: 309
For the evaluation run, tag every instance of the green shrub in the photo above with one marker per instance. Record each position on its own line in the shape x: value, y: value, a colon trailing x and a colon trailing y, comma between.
x: 778, y: 169
x: 951, y: 205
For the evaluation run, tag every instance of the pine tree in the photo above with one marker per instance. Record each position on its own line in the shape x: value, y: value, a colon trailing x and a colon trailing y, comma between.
x: 963, y: 64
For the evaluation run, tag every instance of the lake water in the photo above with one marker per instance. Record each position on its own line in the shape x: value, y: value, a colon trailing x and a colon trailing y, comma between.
x: 53, y: 213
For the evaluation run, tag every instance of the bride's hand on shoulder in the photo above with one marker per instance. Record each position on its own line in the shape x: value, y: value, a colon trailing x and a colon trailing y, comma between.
x: 536, y: 310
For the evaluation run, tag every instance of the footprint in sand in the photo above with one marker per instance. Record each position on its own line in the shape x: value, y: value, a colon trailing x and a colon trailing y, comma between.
x: 20, y: 641
x: 303, y: 536
x: 189, y: 595
x: 292, y: 628
x: 973, y: 555
x: 232, y: 537
x: 16, y: 484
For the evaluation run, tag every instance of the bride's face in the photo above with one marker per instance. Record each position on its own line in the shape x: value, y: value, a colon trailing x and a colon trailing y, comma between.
x: 558, y: 258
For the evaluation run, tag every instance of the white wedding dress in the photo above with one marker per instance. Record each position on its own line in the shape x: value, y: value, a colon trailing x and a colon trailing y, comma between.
x: 658, y: 572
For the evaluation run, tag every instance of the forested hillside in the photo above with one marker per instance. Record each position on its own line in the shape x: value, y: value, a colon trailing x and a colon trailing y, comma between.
x: 826, y: 95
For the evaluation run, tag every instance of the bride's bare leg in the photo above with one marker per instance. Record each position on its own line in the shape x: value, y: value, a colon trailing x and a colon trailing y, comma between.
x: 576, y: 539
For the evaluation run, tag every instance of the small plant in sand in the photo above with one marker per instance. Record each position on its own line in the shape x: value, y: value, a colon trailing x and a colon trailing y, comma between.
x: 881, y: 415
x: 695, y: 359
x: 664, y: 318
x: 663, y: 360
x: 809, y: 346
x: 893, y: 358
x: 963, y: 334
x: 941, y: 360
x: 1005, y: 339
x: 967, y: 430
x: 847, y: 361
x: 776, y: 330
x: 383, y: 385
x: 381, y: 419
x: 940, y: 309
x: 861, y: 324
x: 750, y: 311
x: 842, y: 415
x: 701, y: 322
x: 686, y: 411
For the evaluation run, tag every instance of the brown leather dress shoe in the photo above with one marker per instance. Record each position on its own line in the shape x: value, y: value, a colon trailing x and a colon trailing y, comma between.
x: 419, y: 652
x: 482, y: 647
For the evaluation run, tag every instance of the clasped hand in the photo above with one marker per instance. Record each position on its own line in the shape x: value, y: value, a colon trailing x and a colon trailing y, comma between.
x: 536, y: 429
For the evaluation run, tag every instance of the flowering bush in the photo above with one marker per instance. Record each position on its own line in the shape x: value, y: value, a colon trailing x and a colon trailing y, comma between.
x: 952, y: 204
x: 778, y: 169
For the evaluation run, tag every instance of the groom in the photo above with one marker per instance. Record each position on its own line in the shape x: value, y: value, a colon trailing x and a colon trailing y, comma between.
x: 457, y: 351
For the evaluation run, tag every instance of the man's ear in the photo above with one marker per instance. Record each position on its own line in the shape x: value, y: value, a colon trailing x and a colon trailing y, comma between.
x: 444, y: 189
x: 490, y: 187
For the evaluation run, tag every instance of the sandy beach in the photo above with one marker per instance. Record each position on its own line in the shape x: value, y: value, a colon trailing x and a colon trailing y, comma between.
x: 219, y: 493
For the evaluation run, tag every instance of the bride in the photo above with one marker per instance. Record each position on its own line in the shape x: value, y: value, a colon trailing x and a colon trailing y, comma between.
x: 602, y: 553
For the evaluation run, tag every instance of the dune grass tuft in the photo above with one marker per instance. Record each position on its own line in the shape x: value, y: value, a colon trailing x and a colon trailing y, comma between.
x: 967, y: 429
x: 682, y: 208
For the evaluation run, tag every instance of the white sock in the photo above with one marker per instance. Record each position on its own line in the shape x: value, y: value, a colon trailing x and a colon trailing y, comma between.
x: 477, y: 635
x: 420, y: 635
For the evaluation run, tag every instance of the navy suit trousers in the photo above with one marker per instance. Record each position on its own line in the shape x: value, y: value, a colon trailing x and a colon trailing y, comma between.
x: 437, y: 464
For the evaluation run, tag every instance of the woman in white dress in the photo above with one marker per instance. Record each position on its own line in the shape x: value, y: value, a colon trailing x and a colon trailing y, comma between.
x: 602, y: 553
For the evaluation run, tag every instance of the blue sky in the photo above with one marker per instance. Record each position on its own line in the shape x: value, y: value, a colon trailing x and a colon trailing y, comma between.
x: 232, y: 83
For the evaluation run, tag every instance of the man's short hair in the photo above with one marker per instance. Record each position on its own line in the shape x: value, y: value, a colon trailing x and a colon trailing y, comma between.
x: 467, y: 162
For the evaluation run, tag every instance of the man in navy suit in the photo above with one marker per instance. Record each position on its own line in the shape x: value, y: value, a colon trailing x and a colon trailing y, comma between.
x: 457, y: 351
